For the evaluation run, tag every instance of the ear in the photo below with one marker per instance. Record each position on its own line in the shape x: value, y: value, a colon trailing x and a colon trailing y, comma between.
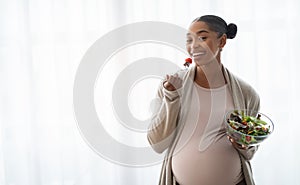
x: 223, y: 39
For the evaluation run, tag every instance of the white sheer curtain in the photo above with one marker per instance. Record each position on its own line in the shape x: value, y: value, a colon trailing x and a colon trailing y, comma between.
x: 42, y: 43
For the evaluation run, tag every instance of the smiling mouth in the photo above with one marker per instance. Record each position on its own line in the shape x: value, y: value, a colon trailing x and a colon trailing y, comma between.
x: 199, y: 54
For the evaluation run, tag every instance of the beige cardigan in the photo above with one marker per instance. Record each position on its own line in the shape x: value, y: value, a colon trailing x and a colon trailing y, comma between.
x: 169, y: 118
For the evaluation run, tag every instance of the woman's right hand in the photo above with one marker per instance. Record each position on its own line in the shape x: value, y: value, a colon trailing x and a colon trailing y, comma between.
x: 172, y: 82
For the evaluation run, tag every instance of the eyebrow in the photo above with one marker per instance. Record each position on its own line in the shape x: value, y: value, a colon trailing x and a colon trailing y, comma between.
x: 198, y: 32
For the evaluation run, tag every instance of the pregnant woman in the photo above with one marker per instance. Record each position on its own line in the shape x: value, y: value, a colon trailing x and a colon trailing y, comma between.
x: 188, y: 124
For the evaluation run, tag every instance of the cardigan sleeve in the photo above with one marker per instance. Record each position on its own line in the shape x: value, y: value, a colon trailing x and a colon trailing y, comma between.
x: 164, y: 119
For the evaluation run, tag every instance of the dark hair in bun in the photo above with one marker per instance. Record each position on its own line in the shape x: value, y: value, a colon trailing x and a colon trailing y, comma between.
x: 217, y: 24
x: 231, y: 31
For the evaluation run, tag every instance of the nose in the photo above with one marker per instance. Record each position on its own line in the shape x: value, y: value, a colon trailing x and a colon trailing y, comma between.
x: 196, y: 44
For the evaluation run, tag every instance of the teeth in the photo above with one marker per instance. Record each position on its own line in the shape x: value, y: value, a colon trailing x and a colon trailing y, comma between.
x: 197, y: 54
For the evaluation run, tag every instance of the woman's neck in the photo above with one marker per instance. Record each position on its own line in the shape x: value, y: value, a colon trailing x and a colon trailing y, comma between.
x: 210, y: 75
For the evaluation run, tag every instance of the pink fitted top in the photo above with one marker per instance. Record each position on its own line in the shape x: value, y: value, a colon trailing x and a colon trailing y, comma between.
x: 203, y: 154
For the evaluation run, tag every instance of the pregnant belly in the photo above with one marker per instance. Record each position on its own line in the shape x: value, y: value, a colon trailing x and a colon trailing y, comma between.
x: 218, y: 164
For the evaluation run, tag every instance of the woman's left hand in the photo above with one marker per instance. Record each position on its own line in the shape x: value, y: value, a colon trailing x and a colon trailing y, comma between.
x: 236, y: 145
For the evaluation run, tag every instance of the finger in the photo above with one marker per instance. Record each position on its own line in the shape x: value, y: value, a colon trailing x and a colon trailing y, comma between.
x: 228, y: 137
x: 175, y: 82
x: 173, y: 79
x: 236, y: 144
x: 231, y: 140
x: 176, y: 79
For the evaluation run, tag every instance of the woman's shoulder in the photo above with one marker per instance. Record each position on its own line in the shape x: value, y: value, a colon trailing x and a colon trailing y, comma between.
x: 237, y: 82
x: 247, y: 89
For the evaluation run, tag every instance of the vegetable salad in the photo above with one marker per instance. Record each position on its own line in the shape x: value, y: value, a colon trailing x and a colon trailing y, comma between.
x: 248, y: 125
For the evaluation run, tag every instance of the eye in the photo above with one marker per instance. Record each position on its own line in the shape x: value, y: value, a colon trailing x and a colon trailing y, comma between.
x: 202, y: 38
x: 189, y: 40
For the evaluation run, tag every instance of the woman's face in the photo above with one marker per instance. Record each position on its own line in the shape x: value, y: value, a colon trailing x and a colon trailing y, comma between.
x: 203, y: 44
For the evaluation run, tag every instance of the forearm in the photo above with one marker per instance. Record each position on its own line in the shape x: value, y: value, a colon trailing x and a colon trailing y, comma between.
x: 164, y: 121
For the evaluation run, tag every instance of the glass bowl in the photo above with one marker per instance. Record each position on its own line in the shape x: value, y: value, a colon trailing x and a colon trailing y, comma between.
x: 248, y: 127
